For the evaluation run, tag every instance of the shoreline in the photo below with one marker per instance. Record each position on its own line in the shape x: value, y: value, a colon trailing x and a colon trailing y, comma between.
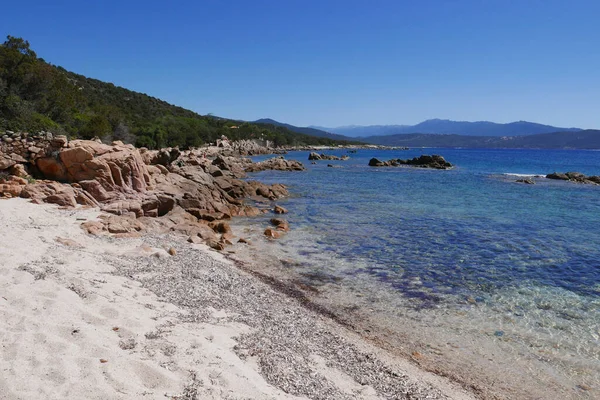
x: 416, y: 343
x: 487, y: 366
x: 99, y: 308
x: 505, y: 366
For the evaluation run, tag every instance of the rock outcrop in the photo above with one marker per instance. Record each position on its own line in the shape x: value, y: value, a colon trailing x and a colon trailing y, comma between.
x: 425, y: 161
x: 577, y: 177
x: 315, y: 156
x: 278, y: 163
x: 144, y: 190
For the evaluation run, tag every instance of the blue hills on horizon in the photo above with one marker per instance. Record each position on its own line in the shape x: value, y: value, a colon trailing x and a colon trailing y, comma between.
x: 449, y: 127
x: 447, y: 133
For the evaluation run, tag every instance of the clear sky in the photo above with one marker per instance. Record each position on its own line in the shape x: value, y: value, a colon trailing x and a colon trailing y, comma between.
x: 330, y: 62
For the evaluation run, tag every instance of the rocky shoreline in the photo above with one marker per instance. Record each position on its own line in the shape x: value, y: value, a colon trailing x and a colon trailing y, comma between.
x: 147, y: 196
x: 194, y: 192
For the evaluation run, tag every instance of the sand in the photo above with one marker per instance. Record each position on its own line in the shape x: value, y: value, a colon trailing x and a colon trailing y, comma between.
x: 85, y: 317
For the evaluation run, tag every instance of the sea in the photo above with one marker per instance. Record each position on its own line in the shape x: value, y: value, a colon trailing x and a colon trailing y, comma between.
x: 468, y: 271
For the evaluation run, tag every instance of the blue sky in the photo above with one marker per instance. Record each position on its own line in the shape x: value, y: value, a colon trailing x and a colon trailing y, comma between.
x: 333, y: 62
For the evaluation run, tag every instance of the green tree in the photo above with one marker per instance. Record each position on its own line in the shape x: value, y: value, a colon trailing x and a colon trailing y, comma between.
x: 16, y: 60
x: 97, y: 126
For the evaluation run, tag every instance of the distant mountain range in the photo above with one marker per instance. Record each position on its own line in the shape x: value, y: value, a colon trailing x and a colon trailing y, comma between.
x: 445, y: 133
x: 448, y: 127
x: 583, y: 139
x: 305, y: 130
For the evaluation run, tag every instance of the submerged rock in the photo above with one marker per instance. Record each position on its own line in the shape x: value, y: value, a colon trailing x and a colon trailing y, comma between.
x: 527, y: 181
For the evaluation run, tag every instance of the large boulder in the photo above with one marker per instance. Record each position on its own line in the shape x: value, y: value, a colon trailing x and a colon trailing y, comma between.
x: 165, y: 157
x: 230, y: 164
x: 53, y: 192
x: 375, y: 162
x: 52, y: 168
x: 558, y: 176
x: 117, y: 168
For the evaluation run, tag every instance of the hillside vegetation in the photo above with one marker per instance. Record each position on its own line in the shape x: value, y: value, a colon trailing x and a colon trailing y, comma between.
x: 36, y: 95
x: 304, y: 130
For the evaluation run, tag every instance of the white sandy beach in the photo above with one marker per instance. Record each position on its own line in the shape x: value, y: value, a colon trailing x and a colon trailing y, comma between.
x: 72, y: 326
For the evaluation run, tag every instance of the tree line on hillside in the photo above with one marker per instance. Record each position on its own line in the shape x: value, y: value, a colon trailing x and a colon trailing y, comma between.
x: 38, y: 96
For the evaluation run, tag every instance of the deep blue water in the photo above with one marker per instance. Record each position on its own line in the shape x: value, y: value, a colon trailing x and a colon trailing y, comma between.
x: 469, y: 231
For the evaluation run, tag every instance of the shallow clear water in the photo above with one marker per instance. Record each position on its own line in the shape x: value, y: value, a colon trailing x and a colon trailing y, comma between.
x: 468, y: 238
x: 467, y: 231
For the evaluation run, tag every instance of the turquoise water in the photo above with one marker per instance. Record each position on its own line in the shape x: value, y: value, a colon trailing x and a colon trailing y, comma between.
x: 502, y: 270
x: 469, y: 231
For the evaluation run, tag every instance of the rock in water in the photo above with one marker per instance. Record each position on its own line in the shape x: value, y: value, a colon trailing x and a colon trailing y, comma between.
x: 434, y: 161
x: 315, y: 156
x: 272, y: 233
x: 558, y: 175
x: 577, y: 177
x: 281, y: 224
x: 425, y: 161
x: 278, y: 164
x: 527, y: 181
x: 279, y: 210
x: 375, y: 162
